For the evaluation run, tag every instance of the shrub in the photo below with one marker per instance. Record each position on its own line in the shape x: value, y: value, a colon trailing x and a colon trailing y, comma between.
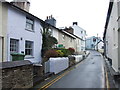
x: 60, y: 53
x: 51, y: 53
x: 65, y: 51
x: 72, y: 50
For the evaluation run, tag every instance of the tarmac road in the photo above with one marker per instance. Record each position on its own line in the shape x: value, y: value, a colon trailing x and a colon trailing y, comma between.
x: 88, y: 74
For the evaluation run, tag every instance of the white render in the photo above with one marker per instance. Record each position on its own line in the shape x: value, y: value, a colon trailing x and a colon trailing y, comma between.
x: 55, y: 33
x: 100, y: 47
x: 78, y: 58
x: 58, y: 64
x: 1, y: 35
x: 16, y: 30
x: 112, y: 37
x: 3, y: 32
x: 94, y: 45
x: 77, y: 32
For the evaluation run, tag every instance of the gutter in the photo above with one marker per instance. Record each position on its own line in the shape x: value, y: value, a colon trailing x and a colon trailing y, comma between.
x: 108, y: 18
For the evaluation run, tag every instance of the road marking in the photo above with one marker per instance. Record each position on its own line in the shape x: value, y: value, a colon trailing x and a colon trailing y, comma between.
x: 107, y: 82
x: 57, y: 78
x: 103, y: 72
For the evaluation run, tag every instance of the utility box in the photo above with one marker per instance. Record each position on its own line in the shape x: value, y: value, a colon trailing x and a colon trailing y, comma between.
x: 17, y: 56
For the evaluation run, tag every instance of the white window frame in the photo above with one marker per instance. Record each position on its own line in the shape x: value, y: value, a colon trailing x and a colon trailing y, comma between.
x: 14, y: 45
x: 50, y: 31
x: 63, y: 37
x: 29, y: 24
x: 29, y: 48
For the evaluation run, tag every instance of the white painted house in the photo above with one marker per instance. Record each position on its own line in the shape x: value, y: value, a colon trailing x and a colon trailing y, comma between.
x: 23, y: 34
x: 112, y: 35
x: 81, y: 33
x: 93, y: 43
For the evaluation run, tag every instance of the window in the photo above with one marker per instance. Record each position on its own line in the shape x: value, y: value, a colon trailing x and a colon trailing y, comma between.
x: 29, y: 24
x: 81, y: 32
x: 28, y: 48
x: 14, y: 44
x: 63, y: 37
x: 50, y: 31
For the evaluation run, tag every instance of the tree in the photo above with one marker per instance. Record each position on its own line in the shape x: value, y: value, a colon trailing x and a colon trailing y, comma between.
x: 48, y: 40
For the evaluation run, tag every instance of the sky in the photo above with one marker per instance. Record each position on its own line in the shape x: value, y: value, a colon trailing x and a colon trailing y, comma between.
x: 90, y: 14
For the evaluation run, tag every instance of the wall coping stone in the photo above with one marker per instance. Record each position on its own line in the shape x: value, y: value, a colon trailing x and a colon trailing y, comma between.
x: 12, y: 64
x: 37, y: 65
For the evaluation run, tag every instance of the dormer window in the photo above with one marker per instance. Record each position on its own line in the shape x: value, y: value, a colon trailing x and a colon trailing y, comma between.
x: 29, y: 24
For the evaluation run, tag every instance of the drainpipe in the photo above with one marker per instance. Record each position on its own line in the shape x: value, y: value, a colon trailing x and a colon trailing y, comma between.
x: 7, y: 46
x: 2, y: 48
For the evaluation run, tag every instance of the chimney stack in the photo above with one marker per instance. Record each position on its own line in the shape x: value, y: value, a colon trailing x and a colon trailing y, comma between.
x: 75, y: 23
x: 23, y: 4
x: 50, y: 20
x: 70, y: 30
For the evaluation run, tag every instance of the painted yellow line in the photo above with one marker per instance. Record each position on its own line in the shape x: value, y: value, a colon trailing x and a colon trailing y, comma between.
x: 49, y: 82
x: 107, y: 82
x: 57, y: 78
x: 53, y: 81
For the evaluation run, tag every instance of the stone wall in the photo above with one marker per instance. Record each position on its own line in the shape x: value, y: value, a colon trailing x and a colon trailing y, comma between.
x: 38, y: 70
x: 38, y: 74
x: 16, y: 74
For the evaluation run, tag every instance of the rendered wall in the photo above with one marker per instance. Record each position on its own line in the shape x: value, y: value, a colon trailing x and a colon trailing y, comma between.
x: 3, y: 28
x: 112, y: 37
x: 67, y: 41
x: 16, y: 30
x: 58, y: 64
x: 119, y: 36
x: 0, y: 19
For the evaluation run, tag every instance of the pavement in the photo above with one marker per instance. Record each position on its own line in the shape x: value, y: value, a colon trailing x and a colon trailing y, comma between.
x: 113, y: 77
x: 90, y: 73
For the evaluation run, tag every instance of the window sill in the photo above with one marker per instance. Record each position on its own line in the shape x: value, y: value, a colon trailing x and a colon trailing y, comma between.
x: 30, y: 30
x: 28, y: 57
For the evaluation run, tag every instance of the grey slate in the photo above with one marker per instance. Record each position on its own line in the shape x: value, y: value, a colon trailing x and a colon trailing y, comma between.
x: 14, y: 64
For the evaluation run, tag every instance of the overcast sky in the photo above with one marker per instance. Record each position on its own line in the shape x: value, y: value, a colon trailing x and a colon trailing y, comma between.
x: 90, y: 14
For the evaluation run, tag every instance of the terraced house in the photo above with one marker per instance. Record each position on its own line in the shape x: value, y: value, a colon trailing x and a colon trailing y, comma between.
x: 81, y: 33
x: 64, y: 38
x: 21, y: 31
x: 3, y: 31
x: 112, y: 35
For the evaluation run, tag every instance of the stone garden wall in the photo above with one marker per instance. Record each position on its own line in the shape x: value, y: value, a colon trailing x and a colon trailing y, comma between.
x: 16, y: 74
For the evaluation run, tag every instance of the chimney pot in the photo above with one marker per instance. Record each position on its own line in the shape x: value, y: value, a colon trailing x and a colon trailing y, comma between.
x: 47, y: 17
x: 51, y: 16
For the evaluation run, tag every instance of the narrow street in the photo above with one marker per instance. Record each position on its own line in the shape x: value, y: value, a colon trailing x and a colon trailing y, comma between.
x: 87, y: 74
